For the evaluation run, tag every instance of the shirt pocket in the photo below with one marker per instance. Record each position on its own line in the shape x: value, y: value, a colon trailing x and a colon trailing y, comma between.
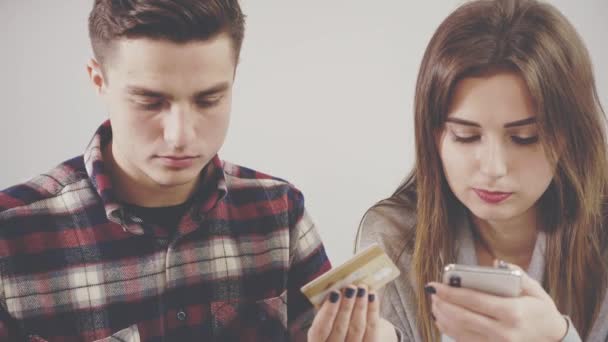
x: 251, y: 320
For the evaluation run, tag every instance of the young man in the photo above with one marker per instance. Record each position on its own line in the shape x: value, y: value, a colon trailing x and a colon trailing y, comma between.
x: 149, y: 236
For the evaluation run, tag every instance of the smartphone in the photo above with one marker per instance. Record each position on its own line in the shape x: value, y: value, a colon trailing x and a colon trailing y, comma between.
x: 497, y: 281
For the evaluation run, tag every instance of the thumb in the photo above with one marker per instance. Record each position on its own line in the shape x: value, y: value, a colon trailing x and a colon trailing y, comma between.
x: 529, y: 286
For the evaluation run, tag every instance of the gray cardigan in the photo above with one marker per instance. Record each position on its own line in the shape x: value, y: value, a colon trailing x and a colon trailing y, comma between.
x: 392, y: 224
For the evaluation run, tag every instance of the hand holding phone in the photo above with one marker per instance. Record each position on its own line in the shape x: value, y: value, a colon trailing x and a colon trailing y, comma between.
x: 504, y: 295
x: 503, y: 282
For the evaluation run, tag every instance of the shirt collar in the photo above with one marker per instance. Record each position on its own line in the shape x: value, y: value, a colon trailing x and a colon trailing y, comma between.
x: 211, y: 190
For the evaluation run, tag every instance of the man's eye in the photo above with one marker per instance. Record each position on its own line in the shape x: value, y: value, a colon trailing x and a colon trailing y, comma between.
x: 524, y: 140
x: 209, y: 102
x: 151, y: 105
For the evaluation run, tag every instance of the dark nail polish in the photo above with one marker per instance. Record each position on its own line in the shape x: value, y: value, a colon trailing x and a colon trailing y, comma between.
x: 433, y: 317
x: 349, y: 292
x: 334, y: 296
x: 429, y: 289
x: 360, y: 292
x: 371, y: 298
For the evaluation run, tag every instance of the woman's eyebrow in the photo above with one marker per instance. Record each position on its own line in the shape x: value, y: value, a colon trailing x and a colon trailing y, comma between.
x: 517, y: 123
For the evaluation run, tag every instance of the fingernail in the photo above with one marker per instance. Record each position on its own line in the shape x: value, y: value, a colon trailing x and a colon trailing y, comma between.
x: 429, y: 289
x: 334, y: 296
x: 371, y: 297
x: 349, y: 292
x: 502, y: 264
x: 433, y: 317
x: 360, y: 292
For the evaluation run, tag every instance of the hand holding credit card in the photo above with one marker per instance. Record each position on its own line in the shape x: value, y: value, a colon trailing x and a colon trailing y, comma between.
x: 371, y: 267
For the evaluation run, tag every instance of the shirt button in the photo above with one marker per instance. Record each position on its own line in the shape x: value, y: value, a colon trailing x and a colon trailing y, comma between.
x: 181, y: 315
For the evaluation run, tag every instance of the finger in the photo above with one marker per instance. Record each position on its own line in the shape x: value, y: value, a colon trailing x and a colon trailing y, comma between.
x: 324, y: 319
x: 533, y: 288
x: 342, y: 320
x: 358, y: 318
x: 459, y: 321
x: 530, y: 287
x: 443, y: 328
x: 468, y: 337
x: 372, y: 330
x: 476, y: 301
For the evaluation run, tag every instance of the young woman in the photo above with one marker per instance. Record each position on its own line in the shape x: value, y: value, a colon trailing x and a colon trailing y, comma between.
x: 511, y: 164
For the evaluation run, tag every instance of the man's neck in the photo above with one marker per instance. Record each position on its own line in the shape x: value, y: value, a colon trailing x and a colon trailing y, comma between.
x: 139, y: 189
x: 512, y: 241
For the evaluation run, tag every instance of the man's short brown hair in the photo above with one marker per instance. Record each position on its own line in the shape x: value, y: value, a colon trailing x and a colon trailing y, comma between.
x: 178, y: 21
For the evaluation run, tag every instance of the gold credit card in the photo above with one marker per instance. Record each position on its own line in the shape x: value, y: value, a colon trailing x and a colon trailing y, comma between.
x: 371, y: 267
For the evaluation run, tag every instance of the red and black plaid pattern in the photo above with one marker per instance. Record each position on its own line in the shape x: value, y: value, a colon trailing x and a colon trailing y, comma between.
x: 75, y: 265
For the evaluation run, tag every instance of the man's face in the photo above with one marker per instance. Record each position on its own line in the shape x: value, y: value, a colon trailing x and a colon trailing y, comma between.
x: 169, y: 105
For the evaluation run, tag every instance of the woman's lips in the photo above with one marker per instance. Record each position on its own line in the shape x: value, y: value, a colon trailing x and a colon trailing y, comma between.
x: 492, y: 197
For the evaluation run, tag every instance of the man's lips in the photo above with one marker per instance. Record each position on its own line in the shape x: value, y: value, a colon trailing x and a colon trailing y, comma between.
x: 178, y: 162
x: 492, y: 197
x: 177, y: 157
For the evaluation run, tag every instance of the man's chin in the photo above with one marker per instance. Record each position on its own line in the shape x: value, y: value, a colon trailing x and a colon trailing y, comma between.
x: 171, y: 185
x: 175, y: 180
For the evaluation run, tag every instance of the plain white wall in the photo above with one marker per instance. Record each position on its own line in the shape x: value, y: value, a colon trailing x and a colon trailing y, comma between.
x: 323, y: 95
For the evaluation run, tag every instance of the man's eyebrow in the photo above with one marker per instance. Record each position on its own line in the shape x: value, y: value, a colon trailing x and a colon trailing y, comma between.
x: 218, y: 88
x: 517, y: 123
x: 142, y: 91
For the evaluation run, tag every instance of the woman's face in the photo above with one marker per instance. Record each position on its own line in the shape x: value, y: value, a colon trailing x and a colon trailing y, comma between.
x: 490, y: 150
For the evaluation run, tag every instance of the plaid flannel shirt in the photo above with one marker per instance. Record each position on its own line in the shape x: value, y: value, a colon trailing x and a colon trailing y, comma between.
x: 75, y: 265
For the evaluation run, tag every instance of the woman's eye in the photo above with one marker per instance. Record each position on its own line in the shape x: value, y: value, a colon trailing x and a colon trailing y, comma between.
x: 464, y: 138
x: 524, y: 140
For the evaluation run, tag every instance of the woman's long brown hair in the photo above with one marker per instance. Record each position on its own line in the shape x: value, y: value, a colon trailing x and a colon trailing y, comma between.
x: 537, y: 42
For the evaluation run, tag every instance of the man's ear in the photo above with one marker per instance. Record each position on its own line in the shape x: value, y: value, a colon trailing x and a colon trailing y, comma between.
x: 96, y: 75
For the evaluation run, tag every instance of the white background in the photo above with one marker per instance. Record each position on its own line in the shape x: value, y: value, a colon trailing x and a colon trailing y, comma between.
x: 323, y: 98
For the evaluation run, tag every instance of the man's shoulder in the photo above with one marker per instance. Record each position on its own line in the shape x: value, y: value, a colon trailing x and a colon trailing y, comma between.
x: 44, y: 186
x: 253, y: 193
x: 241, y: 177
